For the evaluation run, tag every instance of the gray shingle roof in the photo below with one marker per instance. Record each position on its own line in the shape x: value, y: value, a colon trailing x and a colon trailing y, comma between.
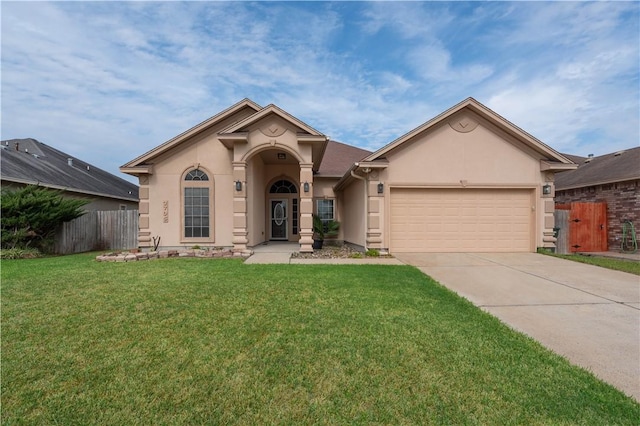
x: 33, y: 162
x: 615, y: 167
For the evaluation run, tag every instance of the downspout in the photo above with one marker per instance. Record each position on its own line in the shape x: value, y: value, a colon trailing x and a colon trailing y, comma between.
x: 366, y: 207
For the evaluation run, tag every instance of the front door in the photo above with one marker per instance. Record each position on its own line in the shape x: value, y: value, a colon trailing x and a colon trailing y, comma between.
x: 278, y: 219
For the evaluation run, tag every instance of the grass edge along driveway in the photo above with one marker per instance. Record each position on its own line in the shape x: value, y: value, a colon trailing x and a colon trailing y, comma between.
x: 180, y: 341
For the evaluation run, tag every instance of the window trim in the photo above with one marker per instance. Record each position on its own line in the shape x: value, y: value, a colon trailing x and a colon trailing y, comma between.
x: 333, y: 209
x: 209, y: 184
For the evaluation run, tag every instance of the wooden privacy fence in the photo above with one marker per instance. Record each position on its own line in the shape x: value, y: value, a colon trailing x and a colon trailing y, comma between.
x: 581, y: 227
x: 98, y: 230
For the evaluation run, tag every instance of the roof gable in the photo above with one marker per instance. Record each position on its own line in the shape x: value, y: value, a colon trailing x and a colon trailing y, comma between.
x: 615, y: 167
x: 29, y: 161
x: 485, y: 113
x: 173, y: 142
x: 270, y: 109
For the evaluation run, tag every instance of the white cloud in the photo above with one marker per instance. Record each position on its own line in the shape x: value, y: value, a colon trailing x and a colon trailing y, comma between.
x: 107, y: 81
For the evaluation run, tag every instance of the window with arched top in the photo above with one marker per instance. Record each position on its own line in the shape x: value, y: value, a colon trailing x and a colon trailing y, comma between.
x: 283, y: 187
x: 197, y: 206
x: 196, y: 174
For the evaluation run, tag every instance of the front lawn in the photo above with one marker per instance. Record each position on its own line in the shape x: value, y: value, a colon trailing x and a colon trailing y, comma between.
x: 192, y: 341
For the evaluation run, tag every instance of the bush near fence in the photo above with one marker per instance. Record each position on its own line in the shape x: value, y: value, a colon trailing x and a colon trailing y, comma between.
x: 98, y: 230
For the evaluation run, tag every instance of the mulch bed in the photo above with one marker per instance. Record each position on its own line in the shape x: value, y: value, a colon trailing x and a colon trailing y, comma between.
x: 329, y: 251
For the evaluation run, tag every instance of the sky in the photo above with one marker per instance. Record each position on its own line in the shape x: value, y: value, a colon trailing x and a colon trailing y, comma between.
x: 108, y: 81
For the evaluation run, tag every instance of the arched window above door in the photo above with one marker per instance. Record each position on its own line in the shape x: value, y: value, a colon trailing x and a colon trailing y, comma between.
x: 283, y: 187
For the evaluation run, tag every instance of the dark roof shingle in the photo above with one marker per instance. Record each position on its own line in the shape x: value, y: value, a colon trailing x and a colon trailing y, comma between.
x: 31, y: 161
x: 615, y: 167
x: 339, y: 157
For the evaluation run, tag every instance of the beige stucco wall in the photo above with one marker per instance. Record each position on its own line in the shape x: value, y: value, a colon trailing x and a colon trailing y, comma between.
x: 352, y: 213
x: 165, y: 186
x: 483, y: 157
x: 164, y: 189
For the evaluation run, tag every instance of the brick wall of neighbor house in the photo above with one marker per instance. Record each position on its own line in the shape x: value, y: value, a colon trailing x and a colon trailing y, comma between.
x: 623, y: 202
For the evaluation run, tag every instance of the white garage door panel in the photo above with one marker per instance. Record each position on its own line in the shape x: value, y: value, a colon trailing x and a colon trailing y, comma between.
x: 461, y: 220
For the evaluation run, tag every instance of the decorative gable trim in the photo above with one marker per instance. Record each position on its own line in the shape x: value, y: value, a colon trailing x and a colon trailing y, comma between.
x: 270, y: 109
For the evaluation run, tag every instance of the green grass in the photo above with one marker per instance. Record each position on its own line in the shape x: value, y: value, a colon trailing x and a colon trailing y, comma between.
x: 630, y: 266
x: 192, y: 341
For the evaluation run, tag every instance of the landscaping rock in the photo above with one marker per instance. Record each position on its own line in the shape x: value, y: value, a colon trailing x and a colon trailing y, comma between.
x: 164, y: 254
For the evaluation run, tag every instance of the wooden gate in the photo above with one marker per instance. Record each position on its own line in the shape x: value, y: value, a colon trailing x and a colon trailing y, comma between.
x: 587, y: 226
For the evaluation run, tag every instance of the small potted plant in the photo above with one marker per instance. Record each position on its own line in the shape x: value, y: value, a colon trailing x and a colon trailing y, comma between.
x: 323, y: 229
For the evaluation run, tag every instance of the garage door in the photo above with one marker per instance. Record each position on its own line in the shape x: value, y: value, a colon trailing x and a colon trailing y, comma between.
x: 461, y: 220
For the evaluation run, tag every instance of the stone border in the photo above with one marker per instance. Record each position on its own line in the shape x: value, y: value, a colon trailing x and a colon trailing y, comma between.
x: 165, y: 254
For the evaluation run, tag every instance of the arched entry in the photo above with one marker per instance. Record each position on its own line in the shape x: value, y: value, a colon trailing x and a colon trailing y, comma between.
x: 283, y: 210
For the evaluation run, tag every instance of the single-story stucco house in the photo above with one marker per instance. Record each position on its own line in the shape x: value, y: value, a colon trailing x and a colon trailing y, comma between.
x: 465, y: 181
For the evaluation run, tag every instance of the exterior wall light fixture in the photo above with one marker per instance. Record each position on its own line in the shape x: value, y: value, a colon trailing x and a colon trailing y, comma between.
x: 306, y: 187
x: 380, y: 188
x: 546, y: 189
x: 238, y: 185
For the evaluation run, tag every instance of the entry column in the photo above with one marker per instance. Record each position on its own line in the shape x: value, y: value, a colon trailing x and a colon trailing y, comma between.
x: 306, y: 208
x: 240, y: 208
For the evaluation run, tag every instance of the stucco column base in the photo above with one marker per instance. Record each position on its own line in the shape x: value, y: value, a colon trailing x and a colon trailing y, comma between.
x: 306, y: 242
x: 240, y: 242
x: 548, y: 240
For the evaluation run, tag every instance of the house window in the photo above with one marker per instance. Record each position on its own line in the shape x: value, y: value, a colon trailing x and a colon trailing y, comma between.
x: 197, y: 192
x: 325, y: 210
x: 123, y: 207
x: 283, y: 187
x: 197, y: 174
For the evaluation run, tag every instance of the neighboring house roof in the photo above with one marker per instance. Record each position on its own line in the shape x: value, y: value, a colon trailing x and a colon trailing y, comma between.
x: 339, y: 157
x: 610, y: 168
x: 29, y: 161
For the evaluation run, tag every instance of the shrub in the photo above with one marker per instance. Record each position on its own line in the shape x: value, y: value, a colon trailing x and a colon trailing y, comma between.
x: 17, y: 253
x: 372, y: 253
x: 30, y: 216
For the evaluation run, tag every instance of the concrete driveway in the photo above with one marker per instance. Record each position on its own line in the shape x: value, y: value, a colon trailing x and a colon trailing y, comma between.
x: 588, y: 314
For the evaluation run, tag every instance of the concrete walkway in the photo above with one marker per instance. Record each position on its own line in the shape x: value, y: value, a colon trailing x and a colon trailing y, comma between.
x: 272, y: 252
x: 277, y: 252
x: 588, y: 314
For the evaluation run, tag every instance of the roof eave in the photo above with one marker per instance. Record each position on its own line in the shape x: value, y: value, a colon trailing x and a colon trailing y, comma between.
x: 486, y: 113
x: 145, y: 169
x: 68, y: 189
x: 193, y: 131
x: 556, y: 166
x: 595, y: 183
x: 365, y: 166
